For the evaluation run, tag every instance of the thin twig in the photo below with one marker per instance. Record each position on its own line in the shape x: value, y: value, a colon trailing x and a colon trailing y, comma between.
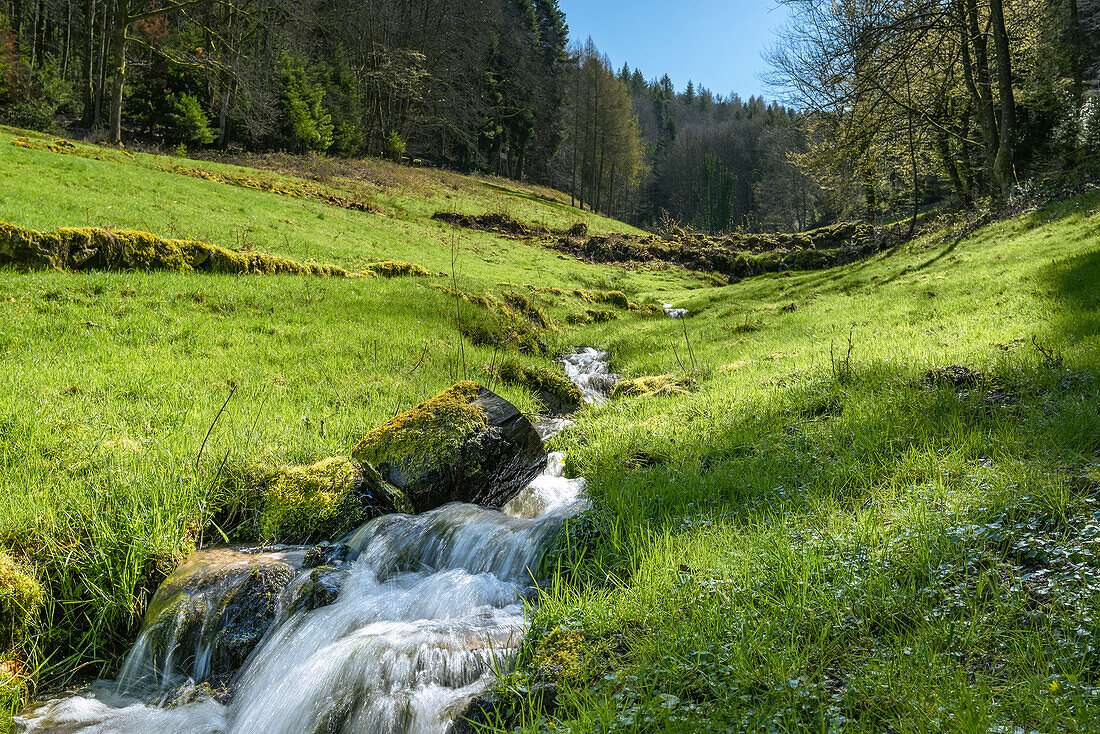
x: 210, y: 430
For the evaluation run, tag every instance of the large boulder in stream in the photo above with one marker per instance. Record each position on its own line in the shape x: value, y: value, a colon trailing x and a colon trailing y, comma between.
x: 466, y: 444
x: 208, y: 616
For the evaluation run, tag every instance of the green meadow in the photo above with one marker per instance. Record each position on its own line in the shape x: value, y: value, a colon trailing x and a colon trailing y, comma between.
x: 867, y: 499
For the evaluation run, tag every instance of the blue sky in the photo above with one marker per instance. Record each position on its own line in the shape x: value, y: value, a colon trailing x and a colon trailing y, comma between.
x: 717, y: 43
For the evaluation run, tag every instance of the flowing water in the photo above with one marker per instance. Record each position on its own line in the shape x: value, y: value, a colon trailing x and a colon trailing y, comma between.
x: 424, y: 612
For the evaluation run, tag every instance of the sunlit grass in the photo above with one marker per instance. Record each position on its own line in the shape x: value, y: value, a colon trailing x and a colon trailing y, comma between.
x: 821, y: 536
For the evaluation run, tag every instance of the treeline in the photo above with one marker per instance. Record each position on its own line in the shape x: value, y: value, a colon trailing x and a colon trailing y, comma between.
x: 468, y: 85
x: 900, y: 103
x: 641, y: 151
x: 909, y: 101
x: 487, y: 86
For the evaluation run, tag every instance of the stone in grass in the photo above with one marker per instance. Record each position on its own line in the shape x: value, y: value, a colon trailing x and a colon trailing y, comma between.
x: 21, y: 597
x: 659, y: 385
x: 324, y: 501
x: 466, y: 444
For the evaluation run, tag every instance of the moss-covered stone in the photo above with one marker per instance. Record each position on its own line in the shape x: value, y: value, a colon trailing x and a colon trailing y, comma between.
x: 553, y: 387
x: 211, y: 612
x: 21, y: 598
x: 397, y: 269
x: 323, y: 501
x: 93, y: 248
x: 430, y: 434
x: 466, y: 444
x: 657, y: 385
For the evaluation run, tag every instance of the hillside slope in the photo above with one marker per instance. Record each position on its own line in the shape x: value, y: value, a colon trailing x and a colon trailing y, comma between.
x: 862, y: 499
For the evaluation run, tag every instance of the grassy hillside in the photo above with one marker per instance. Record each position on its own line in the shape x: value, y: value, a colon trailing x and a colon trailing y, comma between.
x: 820, y: 529
x: 832, y: 532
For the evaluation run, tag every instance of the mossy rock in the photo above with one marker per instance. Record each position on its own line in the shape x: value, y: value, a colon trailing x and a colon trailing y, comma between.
x: 324, y: 501
x: 397, y: 269
x: 209, y: 614
x: 556, y: 391
x: 21, y: 598
x: 466, y: 444
x: 658, y: 385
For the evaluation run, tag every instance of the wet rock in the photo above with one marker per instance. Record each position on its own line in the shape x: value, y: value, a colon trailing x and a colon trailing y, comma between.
x: 317, y: 588
x: 326, y: 554
x: 466, y: 444
x: 494, y: 709
x: 208, y: 616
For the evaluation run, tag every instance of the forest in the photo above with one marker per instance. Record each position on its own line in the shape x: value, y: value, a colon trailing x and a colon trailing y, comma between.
x: 986, y: 96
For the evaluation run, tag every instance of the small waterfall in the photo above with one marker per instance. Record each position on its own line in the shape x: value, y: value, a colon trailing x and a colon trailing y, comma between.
x: 589, y: 370
x: 392, y: 631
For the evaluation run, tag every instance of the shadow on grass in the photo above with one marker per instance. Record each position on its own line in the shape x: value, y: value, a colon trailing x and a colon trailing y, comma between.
x: 1077, y: 283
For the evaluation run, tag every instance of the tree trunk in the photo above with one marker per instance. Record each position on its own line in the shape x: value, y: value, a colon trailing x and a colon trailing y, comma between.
x: 981, y: 85
x: 87, y: 84
x: 1004, y: 165
x: 118, y: 67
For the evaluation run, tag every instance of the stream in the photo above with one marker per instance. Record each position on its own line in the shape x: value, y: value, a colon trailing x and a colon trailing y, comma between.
x: 426, y: 611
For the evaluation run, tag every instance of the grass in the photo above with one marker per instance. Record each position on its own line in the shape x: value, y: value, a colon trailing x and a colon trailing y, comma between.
x: 811, y: 538
x: 830, y: 541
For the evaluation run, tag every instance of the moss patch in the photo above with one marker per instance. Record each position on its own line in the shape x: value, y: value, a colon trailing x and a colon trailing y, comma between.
x: 323, y: 501
x: 551, y: 384
x: 592, y: 316
x: 611, y: 298
x: 93, y: 248
x: 657, y: 385
x: 397, y: 269
x: 21, y: 597
x: 429, y: 435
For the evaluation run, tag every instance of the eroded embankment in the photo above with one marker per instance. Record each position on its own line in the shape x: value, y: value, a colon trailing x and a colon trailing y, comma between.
x: 95, y: 248
x: 737, y: 255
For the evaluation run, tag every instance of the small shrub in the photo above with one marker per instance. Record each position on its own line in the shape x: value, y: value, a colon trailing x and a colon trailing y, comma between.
x: 308, y: 124
x: 187, y: 121
x: 395, y: 146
